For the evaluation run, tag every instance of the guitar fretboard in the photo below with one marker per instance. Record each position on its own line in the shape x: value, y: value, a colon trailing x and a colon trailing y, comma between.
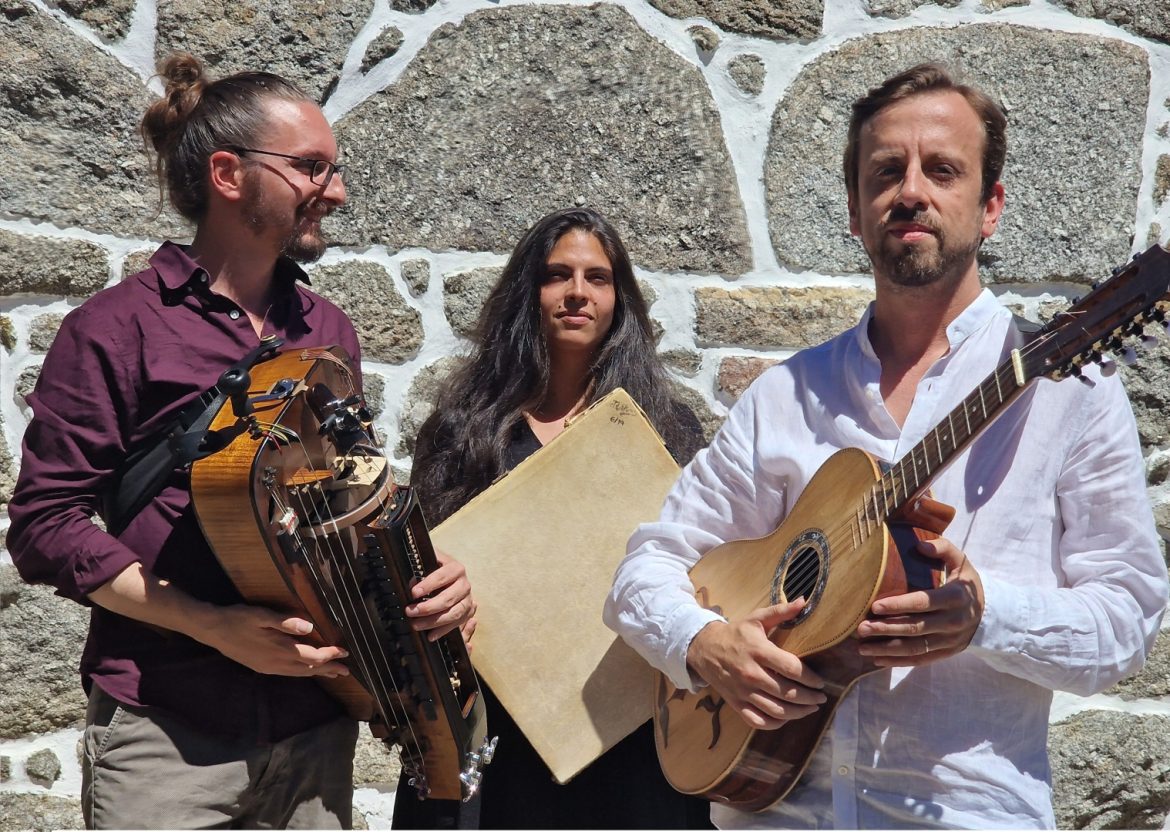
x: 910, y: 476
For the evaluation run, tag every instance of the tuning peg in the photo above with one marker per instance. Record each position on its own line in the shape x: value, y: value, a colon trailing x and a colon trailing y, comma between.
x: 1149, y: 341
x: 1108, y: 367
x: 1077, y: 372
x: 1128, y: 356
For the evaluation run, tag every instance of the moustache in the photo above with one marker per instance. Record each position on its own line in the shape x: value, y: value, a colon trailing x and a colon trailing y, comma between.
x: 904, y: 214
x: 317, y: 206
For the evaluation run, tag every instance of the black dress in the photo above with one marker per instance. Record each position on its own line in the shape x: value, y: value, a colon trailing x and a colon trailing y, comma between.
x: 623, y: 789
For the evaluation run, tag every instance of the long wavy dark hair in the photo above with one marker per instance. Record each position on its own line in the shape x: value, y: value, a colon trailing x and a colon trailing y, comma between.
x: 461, y: 448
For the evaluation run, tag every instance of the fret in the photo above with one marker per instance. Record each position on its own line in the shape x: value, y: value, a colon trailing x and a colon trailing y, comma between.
x: 907, y: 488
x: 918, y: 453
x: 1007, y: 380
x: 905, y: 478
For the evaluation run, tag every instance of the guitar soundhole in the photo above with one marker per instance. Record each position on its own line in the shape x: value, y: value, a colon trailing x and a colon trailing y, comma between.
x: 802, y: 573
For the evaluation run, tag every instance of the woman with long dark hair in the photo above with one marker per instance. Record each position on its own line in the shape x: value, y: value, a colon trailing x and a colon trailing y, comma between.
x: 565, y: 325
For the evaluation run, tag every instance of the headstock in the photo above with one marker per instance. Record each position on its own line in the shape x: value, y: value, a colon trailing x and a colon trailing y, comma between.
x: 1106, y: 322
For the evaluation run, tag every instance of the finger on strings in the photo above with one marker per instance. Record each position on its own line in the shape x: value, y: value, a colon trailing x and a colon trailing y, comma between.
x: 443, y: 620
x: 757, y: 719
x: 329, y: 670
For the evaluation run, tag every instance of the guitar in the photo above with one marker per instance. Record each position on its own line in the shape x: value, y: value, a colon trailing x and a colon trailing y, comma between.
x: 850, y: 539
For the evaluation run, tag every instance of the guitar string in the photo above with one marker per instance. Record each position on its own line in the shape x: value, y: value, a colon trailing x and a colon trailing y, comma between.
x: 885, y: 488
x: 976, y: 402
x: 377, y: 666
x: 281, y: 432
x: 861, y: 526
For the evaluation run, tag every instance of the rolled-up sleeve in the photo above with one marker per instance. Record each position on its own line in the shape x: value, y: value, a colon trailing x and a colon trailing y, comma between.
x: 70, y: 450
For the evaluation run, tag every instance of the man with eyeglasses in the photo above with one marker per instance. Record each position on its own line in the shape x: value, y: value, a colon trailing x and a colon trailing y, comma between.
x: 203, y: 710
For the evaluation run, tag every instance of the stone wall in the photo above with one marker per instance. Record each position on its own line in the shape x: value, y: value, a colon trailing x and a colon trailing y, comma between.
x: 708, y: 130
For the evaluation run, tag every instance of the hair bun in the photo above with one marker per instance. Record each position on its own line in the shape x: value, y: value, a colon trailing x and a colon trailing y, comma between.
x: 182, y: 70
x: 165, y: 119
x: 185, y: 82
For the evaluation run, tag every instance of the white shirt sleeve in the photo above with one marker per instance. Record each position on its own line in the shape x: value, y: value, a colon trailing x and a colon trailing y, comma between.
x: 1100, y: 624
x: 721, y: 495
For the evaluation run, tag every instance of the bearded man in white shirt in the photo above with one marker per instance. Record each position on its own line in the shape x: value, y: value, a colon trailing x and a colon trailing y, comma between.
x: 1055, y: 580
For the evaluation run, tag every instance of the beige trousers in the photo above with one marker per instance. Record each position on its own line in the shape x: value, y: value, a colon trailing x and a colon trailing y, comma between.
x: 144, y: 769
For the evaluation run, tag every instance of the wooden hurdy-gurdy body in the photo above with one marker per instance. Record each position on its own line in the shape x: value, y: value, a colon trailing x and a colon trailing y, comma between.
x: 303, y: 513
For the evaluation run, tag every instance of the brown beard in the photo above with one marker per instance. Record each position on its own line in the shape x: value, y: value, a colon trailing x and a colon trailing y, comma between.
x: 302, y: 246
x: 917, y: 266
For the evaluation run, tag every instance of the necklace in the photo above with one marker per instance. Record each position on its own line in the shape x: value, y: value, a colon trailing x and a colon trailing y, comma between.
x: 534, y: 415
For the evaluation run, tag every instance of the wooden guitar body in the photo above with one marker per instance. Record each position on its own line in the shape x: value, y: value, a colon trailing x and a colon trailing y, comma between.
x: 841, y: 570
x: 308, y: 528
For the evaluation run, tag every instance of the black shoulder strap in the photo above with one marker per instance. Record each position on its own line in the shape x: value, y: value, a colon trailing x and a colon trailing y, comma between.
x: 145, y: 471
x: 1022, y: 331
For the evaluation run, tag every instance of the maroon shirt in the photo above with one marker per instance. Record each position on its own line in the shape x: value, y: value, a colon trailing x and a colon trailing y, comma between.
x: 120, y: 369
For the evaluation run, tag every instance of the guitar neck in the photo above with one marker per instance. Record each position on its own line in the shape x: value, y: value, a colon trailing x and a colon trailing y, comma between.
x: 907, y: 479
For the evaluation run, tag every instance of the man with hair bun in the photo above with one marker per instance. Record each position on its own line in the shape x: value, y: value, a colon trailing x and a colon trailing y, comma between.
x: 203, y: 710
x: 1054, y: 576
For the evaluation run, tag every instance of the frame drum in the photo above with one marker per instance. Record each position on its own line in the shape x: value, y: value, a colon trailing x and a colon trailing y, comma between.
x: 540, y: 547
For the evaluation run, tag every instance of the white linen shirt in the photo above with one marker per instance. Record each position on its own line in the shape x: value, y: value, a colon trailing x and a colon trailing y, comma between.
x: 1051, y: 509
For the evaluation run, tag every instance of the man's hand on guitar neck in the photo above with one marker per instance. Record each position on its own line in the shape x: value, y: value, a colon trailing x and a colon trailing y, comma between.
x: 925, y: 626
x: 765, y: 685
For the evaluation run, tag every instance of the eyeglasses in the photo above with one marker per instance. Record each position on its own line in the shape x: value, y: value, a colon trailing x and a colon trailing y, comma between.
x: 320, y: 171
